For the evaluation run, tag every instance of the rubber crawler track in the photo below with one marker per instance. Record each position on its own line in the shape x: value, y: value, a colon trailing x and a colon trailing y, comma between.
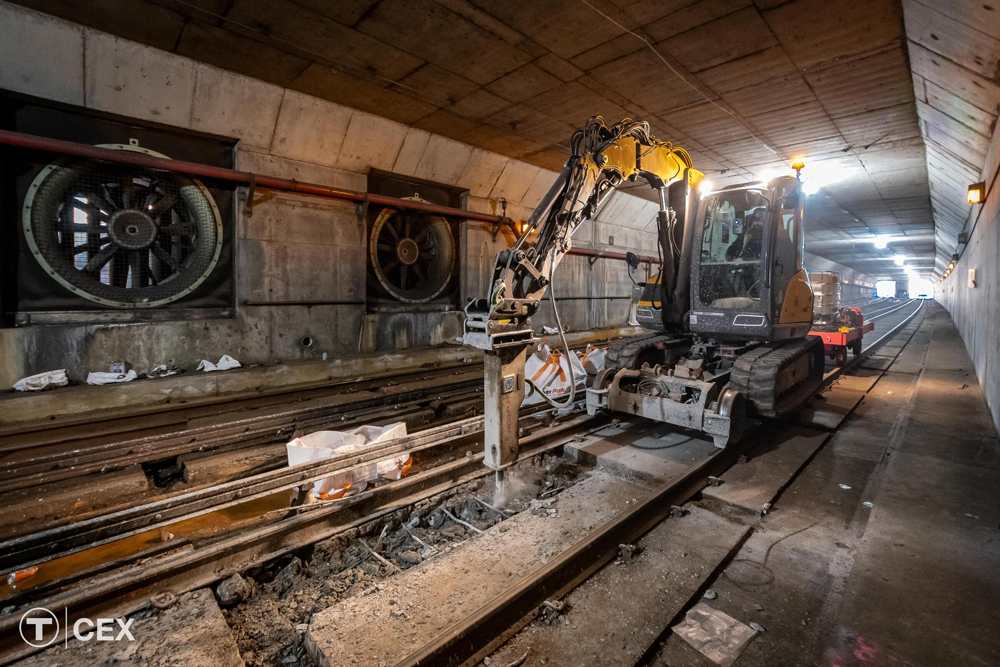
x: 756, y: 375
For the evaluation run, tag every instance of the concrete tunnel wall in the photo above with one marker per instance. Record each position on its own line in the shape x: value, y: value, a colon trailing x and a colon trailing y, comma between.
x: 976, y: 310
x: 293, y: 248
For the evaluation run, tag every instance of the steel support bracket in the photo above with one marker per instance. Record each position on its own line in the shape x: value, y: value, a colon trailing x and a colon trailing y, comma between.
x: 361, y: 207
x: 251, y: 191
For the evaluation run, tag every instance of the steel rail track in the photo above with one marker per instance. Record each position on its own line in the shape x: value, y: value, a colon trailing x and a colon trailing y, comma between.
x: 125, y: 587
x: 31, y: 458
x: 172, y: 414
x: 500, y: 618
x: 46, y: 545
x: 32, y: 549
x: 74, y: 459
x: 872, y: 347
x: 474, y: 637
x: 889, y: 309
x: 128, y: 589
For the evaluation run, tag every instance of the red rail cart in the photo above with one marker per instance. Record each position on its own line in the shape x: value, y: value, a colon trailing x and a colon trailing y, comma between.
x: 847, y: 332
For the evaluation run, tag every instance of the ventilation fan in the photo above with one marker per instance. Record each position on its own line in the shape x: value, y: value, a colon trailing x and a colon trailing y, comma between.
x: 412, y: 254
x: 122, y: 236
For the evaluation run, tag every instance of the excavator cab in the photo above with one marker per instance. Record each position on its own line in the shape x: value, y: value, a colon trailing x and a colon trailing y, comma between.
x: 747, y: 283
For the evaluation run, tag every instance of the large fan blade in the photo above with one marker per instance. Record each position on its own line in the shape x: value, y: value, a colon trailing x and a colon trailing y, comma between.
x: 128, y: 191
x: 97, y: 262
x: 163, y: 256
x: 135, y: 260
x: 391, y: 228
x: 159, y: 207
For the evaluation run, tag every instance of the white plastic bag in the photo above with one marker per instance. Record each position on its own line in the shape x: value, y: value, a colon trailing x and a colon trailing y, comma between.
x: 110, y: 378
x: 594, y: 358
x: 162, y: 371
x: 324, y: 444
x: 549, y: 371
x: 43, y: 381
x: 225, y: 363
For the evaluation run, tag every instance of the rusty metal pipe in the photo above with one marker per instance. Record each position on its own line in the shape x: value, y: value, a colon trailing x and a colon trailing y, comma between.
x: 607, y: 254
x: 136, y: 159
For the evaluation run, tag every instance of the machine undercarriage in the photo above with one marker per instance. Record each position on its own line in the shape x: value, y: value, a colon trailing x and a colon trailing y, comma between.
x: 708, y: 387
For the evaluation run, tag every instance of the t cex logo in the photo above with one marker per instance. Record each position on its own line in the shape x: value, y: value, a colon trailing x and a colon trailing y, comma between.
x: 40, y: 628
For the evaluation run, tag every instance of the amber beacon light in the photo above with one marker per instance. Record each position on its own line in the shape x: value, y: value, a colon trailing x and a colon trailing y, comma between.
x: 976, y: 191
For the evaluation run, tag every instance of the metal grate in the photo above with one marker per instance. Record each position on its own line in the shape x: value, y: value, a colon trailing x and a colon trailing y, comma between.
x: 413, y: 254
x: 122, y: 236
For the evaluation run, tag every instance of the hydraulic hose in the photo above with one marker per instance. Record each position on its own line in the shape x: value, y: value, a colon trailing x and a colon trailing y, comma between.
x: 562, y: 337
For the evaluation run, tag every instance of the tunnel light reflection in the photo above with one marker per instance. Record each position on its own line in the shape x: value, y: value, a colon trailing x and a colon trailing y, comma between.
x: 885, y: 289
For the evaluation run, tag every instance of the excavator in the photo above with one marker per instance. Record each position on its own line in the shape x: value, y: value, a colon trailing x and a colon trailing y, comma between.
x: 729, y: 310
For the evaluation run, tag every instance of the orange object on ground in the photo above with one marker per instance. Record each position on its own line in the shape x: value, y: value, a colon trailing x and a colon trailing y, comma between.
x: 20, y: 575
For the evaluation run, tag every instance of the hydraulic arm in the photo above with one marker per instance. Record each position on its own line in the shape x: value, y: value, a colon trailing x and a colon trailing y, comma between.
x: 603, y: 158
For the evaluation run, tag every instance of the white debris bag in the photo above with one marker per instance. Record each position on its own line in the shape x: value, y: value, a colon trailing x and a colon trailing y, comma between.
x: 43, y: 381
x: 594, y: 358
x: 549, y: 371
x: 717, y: 636
x: 110, y: 378
x: 225, y: 363
x: 325, y: 444
x: 162, y: 371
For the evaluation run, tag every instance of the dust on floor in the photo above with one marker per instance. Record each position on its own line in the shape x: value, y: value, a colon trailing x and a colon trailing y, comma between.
x: 281, y: 597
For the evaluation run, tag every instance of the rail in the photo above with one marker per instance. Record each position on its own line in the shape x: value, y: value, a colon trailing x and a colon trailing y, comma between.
x: 115, y: 589
x: 473, y: 636
x: 119, y: 588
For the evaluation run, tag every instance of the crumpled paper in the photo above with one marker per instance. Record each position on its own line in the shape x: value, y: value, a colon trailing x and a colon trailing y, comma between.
x: 225, y: 363
x: 110, y: 378
x: 42, y: 381
x: 717, y: 636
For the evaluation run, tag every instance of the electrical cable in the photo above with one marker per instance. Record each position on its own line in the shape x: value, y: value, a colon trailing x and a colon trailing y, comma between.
x: 562, y: 336
x: 630, y: 275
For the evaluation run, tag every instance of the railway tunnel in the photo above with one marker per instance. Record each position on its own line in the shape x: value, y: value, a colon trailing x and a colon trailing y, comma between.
x: 466, y: 332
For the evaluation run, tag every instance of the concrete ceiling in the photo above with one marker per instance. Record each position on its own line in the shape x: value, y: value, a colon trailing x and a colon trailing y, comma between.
x: 955, y: 56
x: 745, y: 85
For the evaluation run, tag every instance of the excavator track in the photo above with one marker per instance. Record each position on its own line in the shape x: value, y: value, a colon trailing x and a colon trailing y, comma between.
x: 779, y: 377
x: 626, y: 353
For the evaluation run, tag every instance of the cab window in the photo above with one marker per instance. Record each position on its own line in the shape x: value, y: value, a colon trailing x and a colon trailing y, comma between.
x: 731, y: 249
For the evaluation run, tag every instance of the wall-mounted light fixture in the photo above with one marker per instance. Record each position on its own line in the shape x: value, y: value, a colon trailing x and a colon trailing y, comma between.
x: 977, y: 191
